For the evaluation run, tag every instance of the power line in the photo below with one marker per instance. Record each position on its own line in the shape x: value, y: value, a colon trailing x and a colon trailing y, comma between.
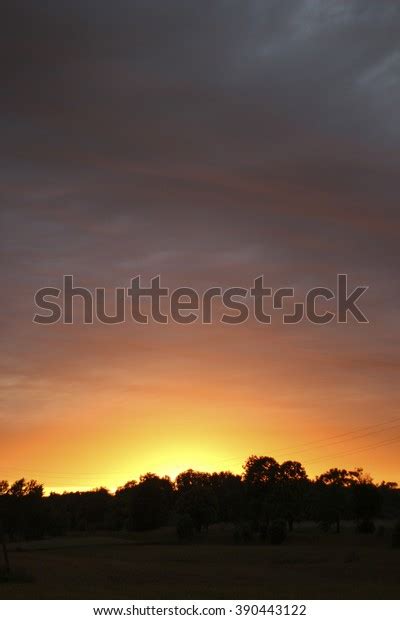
x: 354, y: 434
x: 371, y: 446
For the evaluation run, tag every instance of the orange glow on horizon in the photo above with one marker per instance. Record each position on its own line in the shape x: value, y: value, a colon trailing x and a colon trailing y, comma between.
x: 117, y: 403
x: 83, y: 454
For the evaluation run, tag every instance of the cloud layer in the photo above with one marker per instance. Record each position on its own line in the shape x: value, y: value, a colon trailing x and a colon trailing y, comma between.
x: 208, y: 142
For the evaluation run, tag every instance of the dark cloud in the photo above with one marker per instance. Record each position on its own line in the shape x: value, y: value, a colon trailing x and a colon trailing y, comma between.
x: 226, y: 83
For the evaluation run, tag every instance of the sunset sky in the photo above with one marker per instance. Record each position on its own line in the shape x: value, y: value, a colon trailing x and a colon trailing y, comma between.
x: 208, y: 142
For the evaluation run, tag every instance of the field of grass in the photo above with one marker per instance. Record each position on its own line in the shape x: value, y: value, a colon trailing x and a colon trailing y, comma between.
x: 309, y: 565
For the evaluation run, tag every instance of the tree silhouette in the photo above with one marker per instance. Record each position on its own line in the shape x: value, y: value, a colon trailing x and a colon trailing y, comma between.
x: 275, y: 491
x: 263, y: 503
x: 291, y: 491
x: 196, y: 498
x: 333, y: 499
x: 367, y: 503
x: 4, y: 488
x: 146, y: 504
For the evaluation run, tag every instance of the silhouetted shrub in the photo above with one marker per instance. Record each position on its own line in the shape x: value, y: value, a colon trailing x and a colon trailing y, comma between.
x: 277, y: 532
x: 325, y: 526
x: 366, y: 526
x: 263, y: 532
x: 396, y: 536
x: 19, y: 575
x: 243, y: 533
x: 326, y: 518
x: 185, y: 527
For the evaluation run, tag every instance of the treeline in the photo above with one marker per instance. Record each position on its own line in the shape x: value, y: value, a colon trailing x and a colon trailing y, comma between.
x: 263, y: 503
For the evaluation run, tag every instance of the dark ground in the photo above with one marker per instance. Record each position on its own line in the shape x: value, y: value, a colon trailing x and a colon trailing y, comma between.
x: 309, y: 565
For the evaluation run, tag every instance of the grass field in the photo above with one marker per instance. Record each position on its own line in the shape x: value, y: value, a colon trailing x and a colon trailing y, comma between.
x: 309, y: 565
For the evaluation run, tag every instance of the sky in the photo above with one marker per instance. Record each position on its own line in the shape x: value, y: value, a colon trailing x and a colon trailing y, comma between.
x: 209, y: 143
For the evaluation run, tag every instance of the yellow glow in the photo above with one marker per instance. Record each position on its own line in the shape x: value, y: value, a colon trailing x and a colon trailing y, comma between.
x: 205, y: 399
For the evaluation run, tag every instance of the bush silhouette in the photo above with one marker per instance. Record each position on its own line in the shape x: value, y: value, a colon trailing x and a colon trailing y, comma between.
x: 277, y: 532
x: 396, y: 536
x: 243, y: 533
x: 263, y: 532
x: 366, y: 526
x: 185, y: 528
x: 15, y: 576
